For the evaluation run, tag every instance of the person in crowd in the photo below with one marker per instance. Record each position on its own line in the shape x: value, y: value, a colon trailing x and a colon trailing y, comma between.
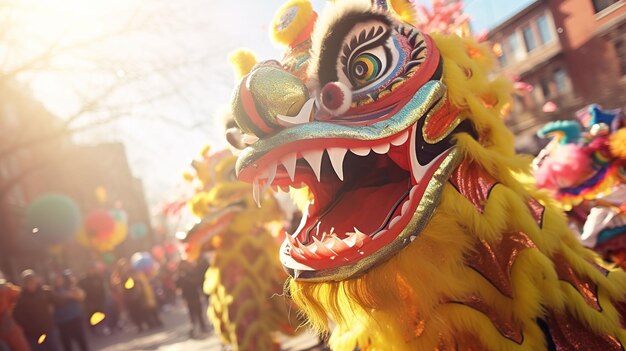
x: 69, y: 314
x: 131, y: 293
x: 34, y: 313
x: 149, y: 306
x: 11, y: 334
x: 190, y: 289
x: 94, y: 286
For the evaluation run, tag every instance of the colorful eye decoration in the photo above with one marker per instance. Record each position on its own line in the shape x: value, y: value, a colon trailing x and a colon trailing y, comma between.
x: 365, y: 68
x: 366, y: 56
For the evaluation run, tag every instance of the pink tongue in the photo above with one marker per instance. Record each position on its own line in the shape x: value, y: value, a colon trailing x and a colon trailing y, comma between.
x: 364, y: 208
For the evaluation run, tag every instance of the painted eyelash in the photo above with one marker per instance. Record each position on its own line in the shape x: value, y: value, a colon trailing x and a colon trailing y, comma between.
x: 357, y: 40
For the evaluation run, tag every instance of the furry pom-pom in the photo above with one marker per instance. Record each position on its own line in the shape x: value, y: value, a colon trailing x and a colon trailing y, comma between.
x: 242, y: 60
x: 617, y: 143
x: 565, y: 167
x: 290, y: 20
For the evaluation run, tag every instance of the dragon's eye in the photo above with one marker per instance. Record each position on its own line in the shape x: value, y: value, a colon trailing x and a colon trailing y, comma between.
x: 368, y: 55
x: 365, y: 68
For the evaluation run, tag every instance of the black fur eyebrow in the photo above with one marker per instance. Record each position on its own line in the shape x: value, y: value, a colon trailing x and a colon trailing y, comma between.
x: 361, y: 38
x: 333, y: 40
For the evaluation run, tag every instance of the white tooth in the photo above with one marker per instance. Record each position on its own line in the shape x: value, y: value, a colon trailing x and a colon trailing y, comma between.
x: 400, y: 139
x: 405, y: 207
x: 314, y: 158
x: 361, y: 151
x: 276, y: 189
x: 337, y: 244
x: 289, y: 162
x: 322, y: 249
x: 256, y: 192
x: 394, y: 221
x: 381, y: 149
x: 271, y: 174
x: 302, y: 117
x: 249, y: 139
x: 379, y: 234
x: 412, y: 192
x: 355, y: 239
x: 412, y: 238
x: 336, y: 155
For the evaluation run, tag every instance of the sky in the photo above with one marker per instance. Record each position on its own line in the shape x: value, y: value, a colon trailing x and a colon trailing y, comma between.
x: 160, y: 151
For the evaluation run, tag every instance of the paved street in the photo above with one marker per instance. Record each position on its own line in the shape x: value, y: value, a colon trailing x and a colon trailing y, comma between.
x: 175, y: 337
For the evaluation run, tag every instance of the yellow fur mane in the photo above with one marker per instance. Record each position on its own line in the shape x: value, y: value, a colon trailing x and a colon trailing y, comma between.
x: 402, y: 303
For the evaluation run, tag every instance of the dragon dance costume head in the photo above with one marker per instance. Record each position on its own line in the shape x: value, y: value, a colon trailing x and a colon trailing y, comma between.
x: 366, y: 120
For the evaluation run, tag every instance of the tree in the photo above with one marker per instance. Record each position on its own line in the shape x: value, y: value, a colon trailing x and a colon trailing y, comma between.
x: 119, y: 58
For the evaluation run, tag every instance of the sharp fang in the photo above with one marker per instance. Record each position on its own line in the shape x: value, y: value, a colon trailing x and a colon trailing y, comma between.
x: 401, y: 139
x: 322, y: 249
x: 304, y: 116
x: 336, y: 244
x: 336, y: 155
x: 381, y: 149
x: 355, y: 239
x: 361, y: 151
x: 271, y: 174
x: 298, y: 253
x: 291, y: 240
x: 314, y: 158
x: 379, y: 234
x: 255, y: 192
x: 307, y: 252
x: 412, y: 238
x: 394, y: 221
x: 289, y: 162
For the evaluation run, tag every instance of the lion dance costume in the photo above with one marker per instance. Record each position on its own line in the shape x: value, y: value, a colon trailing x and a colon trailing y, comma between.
x: 245, y: 279
x: 584, y: 166
x: 417, y: 234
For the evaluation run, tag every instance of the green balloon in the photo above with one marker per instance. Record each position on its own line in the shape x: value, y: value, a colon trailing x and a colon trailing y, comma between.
x: 54, y: 218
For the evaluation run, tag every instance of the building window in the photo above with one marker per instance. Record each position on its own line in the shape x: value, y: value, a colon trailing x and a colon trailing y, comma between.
x: 600, y: 5
x: 529, y: 38
x: 545, y: 31
x: 561, y: 80
x: 515, y: 47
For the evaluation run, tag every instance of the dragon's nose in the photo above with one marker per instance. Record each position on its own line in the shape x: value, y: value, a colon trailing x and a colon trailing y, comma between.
x: 263, y: 95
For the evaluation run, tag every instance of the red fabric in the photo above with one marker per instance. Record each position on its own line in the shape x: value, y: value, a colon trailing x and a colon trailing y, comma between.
x: 10, y: 332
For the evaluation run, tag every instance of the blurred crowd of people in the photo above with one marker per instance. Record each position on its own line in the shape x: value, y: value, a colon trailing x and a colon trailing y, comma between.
x: 55, y: 312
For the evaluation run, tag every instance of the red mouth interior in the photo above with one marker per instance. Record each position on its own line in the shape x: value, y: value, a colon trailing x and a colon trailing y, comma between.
x: 372, y: 193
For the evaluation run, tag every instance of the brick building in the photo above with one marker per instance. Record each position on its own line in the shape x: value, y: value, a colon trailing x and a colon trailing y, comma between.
x: 573, y: 53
